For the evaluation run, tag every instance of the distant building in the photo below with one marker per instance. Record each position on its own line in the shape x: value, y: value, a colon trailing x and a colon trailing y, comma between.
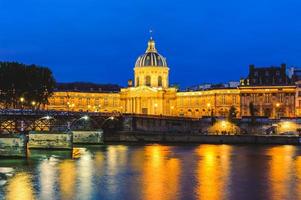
x: 231, y: 84
x: 298, y: 98
x: 269, y: 89
x: 295, y: 74
x: 86, y: 87
x: 264, y: 76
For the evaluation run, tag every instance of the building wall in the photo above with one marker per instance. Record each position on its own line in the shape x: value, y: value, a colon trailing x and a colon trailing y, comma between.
x: 203, y: 103
x: 298, y: 99
x: 85, y: 101
x: 269, y: 101
x: 147, y: 100
x: 154, y: 73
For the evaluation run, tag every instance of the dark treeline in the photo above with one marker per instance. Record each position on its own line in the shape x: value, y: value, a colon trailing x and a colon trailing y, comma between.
x: 25, y: 85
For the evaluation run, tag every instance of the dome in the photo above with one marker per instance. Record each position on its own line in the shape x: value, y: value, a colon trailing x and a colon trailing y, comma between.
x: 151, y: 58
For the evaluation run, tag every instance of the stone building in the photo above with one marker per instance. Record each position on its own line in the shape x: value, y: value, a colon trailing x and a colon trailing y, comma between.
x: 269, y: 89
x: 266, y: 76
x: 151, y: 93
x: 268, y: 101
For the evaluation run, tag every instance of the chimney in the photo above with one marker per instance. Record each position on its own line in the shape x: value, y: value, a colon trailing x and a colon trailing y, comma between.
x: 283, y: 66
x: 251, y: 69
x: 130, y: 83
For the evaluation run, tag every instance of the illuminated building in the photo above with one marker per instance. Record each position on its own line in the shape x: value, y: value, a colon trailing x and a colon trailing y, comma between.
x: 269, y: 89
x: 269, y: 101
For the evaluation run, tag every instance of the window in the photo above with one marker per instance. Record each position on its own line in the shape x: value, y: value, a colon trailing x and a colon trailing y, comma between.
x: 223, y: 99
x: 137, y: 81
x: 299, y: 93
x: 267, y: 73
x: 148, y: 81
x: 267, y: 98
x: 234, y: 99
x: 106, y: 102
x: 159, y: 81
x: 281, y: 98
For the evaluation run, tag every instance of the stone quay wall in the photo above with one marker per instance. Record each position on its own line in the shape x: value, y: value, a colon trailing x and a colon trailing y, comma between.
x: 207, y: 126
x: 142, y: 137
x: 13, y: 145
x: 47, y: 140
x: 87, y: 137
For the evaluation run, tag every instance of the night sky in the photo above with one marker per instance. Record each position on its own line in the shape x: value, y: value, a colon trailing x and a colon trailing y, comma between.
x: 99, y: 41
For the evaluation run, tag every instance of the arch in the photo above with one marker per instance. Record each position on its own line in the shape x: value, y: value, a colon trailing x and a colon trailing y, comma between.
x: 160, y: 81
x: 148, y: 81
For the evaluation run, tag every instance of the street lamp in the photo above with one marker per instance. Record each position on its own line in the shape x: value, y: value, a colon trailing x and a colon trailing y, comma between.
x: 86, y: 117
x: 33, y: 103
x: 22, y: 99
x: 72, y: 106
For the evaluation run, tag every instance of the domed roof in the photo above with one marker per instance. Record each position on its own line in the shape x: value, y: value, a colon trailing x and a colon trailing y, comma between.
x: 151, y: 58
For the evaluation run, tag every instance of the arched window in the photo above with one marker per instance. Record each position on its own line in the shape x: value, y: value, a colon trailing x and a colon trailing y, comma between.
x: 159, y: 81
x: 148, y: 81
x: 137, y: 81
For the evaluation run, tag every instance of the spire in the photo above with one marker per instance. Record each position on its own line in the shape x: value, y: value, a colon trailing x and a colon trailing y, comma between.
x: 151, y: 43
x: 151, y: 33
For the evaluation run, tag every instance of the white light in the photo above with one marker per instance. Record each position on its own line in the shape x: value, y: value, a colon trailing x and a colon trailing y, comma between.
x: 86, y: 117
x: 47, y: 117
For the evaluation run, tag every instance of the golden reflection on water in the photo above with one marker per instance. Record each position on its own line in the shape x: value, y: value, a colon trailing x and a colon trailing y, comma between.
x: 298, y: 177
x: 161, y: 174
x: 48, y: 177
x: 67, y: 179
x: 280, y: 170
x: 20, y: 187
x: 212, y: 171
x: 117, y: 158
x: 85, y: 171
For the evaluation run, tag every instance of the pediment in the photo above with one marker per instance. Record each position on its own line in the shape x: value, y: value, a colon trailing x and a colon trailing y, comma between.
x: 144, y: 91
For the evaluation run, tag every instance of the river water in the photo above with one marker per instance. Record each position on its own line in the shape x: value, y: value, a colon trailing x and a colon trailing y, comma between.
x: 155, y: 172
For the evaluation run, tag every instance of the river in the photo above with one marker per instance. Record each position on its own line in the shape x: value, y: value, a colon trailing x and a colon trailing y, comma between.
x: 155, y: 172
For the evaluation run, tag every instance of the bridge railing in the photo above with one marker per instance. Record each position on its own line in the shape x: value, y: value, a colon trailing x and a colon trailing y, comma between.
x: 49, y: 112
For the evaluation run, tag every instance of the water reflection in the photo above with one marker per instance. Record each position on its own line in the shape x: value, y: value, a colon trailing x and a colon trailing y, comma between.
x: 67, y: 179
x: 20, y: 187
x: 154, y: 172
x: 48, y: 176
x: 85, y: 170
x: 160, y: 174
x: 212, y: 171
x: 280, y: 171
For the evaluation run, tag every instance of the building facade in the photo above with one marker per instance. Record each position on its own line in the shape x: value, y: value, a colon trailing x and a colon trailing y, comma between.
x: 268, y: 89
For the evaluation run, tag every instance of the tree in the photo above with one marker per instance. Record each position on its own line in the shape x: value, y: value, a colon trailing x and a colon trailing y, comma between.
x: 253, y: 111
x: 232, y: 113
x: 213, y: 120
x: 31, y: 82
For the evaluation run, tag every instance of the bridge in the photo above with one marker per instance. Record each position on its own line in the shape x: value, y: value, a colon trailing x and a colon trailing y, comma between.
x: 17, y: 120
x: 21, y: 120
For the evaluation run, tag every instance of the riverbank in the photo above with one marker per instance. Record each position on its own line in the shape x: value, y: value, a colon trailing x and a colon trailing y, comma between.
x: 143, y: 137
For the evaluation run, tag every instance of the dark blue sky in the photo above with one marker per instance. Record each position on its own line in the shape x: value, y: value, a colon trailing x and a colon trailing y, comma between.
x: 99, y: 41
